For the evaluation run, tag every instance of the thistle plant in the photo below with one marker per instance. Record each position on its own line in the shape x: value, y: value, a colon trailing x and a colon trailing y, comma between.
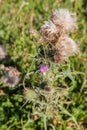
x: 53, y: 90
x: 55, y: 33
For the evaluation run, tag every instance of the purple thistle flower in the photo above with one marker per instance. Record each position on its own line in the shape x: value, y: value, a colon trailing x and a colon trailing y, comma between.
x: 43, y: 68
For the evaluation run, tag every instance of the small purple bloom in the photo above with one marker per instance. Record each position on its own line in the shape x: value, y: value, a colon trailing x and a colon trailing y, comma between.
x: 43, y: 68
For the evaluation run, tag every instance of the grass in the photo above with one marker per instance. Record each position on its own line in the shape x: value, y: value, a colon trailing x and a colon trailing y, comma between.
x: 31, y: 105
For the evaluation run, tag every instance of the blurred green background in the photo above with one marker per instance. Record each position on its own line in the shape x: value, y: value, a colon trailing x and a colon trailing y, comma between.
x: 16, y: 113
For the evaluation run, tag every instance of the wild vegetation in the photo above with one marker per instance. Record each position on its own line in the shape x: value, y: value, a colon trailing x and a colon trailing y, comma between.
x: 43, y: 65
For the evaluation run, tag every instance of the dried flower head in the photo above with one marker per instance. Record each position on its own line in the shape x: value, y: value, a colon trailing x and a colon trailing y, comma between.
x: 11, y: 76
x: 55, y: 31
x: 49, y: 32
x: 3, y: 53
x: 68, y: 46
x: 64, y: 20
x: 59, y: 56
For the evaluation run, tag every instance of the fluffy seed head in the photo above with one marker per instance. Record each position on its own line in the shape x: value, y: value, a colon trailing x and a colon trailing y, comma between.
x: 11, y: 76
x: 55, y: 31
x: 60, y: 56
x: 3, y: 53
x: 64, y: 20
x: 68, y: 46
x: 49, y: 32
